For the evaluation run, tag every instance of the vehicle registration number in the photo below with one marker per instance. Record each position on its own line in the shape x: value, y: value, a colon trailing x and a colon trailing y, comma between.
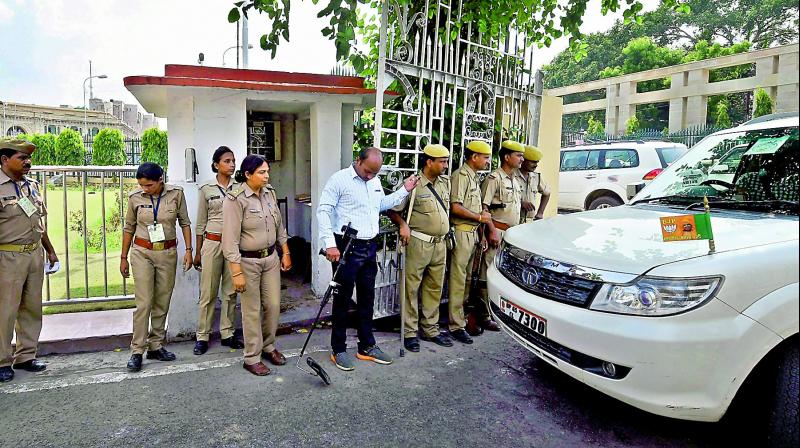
x: 524, y: 317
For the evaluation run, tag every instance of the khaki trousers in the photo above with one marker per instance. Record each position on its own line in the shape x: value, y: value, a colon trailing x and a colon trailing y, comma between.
x: 461, y: 259
x: 154, y: 280
x: 21, y: 277
x: 425, y: 267
x: 261, y: 305
x: 488, y: 260
x: 215, y: 267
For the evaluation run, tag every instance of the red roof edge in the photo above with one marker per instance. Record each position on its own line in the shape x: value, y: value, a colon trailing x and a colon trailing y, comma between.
x: 232, y: 74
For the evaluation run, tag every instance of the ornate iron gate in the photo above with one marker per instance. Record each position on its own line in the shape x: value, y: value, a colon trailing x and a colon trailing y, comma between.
x: 454, y: 87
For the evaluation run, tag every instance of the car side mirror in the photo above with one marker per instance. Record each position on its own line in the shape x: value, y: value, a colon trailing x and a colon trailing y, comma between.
x: 633, y: 189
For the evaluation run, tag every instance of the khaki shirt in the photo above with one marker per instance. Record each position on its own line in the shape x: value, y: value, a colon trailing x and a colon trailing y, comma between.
x: 500, y: 188
x: 465, y: 189
x: 209, y: 207
x: 530, y: 186
x: 251, y: 222
x: 15, y: 226
x: 171, y: 209
x: 428, y: 216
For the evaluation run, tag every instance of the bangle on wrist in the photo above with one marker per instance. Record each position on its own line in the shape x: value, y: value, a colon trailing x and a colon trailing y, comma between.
x: 123, y: 257
x: 236, y: 274
x: 188, y: 249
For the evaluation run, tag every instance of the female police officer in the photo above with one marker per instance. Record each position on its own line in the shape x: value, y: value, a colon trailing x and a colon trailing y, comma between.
x: 150, y: 227
x: 251, y: 233
x: 208, y: 257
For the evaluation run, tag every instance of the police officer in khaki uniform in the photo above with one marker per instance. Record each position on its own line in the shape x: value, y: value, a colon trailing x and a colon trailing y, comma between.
x: 22, y: 237
x: 423, y: 232
x: 466, y: 215
x: 252, y: 236
x: 208, y: 257
x: 502, y: 194
x: 532, y: 184
x: 150, y: 220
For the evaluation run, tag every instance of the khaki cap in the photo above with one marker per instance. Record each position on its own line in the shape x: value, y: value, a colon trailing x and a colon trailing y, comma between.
x: 436, y: 151
x: 511, y: 145
x: 480, y: 147
x: 532, y: 153
x: 17, y: 145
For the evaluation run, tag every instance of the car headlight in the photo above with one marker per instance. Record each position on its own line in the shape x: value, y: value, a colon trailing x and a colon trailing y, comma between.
x: 499, y: 255
x: 656, y: 296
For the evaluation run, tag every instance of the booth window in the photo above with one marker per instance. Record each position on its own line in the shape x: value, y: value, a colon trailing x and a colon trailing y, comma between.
x: 263, y: 136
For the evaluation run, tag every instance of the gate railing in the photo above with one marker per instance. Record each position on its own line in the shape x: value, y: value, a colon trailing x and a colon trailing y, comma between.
x: 454, y: 86
x: 85, y: 215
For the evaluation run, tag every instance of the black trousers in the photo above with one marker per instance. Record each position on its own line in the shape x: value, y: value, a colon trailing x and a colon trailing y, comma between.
x: 358, y: 271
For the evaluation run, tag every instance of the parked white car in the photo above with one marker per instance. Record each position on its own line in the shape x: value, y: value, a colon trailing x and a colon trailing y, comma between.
x: 595, y: 176
x: 669, y: 327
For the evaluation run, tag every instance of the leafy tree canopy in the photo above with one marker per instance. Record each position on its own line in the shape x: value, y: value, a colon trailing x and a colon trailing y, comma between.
x: 69, y: 149
x: 154, y: 147
x: 108, y: 148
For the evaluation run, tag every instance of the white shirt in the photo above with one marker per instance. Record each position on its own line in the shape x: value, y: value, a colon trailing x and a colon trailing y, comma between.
x: 347, y: 198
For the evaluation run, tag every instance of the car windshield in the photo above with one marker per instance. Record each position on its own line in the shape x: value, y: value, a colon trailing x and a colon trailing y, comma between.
x: 744, y: 170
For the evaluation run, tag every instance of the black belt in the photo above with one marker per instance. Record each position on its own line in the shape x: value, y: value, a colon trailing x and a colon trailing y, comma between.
x: 263, y: 253
x: 358, y: 241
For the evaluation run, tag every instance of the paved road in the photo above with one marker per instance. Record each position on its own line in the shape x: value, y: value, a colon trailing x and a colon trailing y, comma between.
x: 492, y: 393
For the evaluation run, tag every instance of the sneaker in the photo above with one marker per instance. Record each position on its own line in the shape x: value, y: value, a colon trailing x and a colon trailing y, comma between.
x: 344, y: 361
x: 374, y: 354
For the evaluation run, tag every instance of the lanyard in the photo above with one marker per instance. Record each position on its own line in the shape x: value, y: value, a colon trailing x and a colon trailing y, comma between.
x: 31, y: 191
x: 156, y: 205
x: 221, y: 191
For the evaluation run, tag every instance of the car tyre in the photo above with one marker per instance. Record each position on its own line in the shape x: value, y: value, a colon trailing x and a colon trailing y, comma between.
x: 604, y: 202
x: 783, y: 420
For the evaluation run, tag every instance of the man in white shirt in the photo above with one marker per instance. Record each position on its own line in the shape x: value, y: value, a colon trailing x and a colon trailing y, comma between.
x: 355, y: 195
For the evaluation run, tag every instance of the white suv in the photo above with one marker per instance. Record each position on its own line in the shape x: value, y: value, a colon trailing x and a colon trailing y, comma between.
x: 672, y: 327
x: 595, y: 176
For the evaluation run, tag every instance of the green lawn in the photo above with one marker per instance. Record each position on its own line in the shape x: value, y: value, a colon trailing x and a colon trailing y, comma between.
x: 56, y: 285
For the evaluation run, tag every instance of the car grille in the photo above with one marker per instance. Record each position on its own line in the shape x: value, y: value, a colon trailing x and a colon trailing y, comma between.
x: 515, y: 264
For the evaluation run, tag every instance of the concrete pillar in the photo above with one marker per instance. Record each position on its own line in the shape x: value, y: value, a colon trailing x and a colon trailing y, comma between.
x: 326, y: 159
x: 625, y: 109
x: 787, y: 94
x: 348, y: 111
x: 549, y: 142
x: 696, y: 106
x: 611, y: 108
x: 181, y: 135
x: 677, y: 105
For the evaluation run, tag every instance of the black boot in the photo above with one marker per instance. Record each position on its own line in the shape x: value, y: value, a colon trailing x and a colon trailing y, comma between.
x: 233, y: 343
x: 135, y: 363
x: 200, y: 347
x: 6, y: 374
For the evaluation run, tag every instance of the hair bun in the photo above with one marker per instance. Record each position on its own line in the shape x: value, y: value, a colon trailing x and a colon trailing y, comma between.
x: 239, y: 176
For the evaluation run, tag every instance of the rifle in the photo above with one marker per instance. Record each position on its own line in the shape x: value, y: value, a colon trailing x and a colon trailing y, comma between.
x: 476, y: 285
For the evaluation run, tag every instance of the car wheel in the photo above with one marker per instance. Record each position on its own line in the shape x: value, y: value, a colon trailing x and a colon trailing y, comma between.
x: 783, y: 420
x: 604, y: 202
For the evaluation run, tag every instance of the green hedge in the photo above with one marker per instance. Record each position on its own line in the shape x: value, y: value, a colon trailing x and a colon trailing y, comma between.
x: 154, y: 147
x: 70, y: 149
x: 108, y: 148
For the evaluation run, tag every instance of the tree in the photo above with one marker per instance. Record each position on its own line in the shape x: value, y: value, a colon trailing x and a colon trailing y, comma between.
x: 596, y: 127
x: 108, y: 148
x: 535, y: 18
x: 764, y: 104
x: 632, y: 125
x: 154, y: 147
x: 70, y: 149
x: 764, y: 23
x: 722, y: 119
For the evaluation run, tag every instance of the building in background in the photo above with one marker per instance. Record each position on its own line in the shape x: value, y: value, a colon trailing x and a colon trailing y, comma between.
x: 19, y: 118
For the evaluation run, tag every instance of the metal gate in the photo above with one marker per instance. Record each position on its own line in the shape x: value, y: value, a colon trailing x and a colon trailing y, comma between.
x: 453, y: 87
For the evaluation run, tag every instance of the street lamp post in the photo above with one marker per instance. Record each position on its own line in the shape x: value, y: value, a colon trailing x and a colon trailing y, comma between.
x: 250, y: 46
x: 85, y: 120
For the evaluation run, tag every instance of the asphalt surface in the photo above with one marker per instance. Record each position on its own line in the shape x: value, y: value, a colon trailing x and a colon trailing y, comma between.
x: 492, y: 393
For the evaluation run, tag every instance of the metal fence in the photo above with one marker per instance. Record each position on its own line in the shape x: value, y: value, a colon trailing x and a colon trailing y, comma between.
x: 689, y: 136
x: 84, y: 222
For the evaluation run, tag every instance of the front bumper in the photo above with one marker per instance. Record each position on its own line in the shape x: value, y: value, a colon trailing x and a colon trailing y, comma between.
x: 687, y: 366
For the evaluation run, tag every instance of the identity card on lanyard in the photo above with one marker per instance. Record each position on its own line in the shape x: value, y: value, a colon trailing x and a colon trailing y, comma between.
x: 25, y: 202
x: 156, y: 230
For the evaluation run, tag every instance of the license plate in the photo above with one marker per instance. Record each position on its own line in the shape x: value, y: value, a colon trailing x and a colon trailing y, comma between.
x: 691, y: 180
x: 524, y: 317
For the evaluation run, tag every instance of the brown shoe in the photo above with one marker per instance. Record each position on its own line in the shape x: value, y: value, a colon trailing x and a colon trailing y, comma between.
x: 490, y: 325
x: 258, y: 369
x: 275, y: 357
